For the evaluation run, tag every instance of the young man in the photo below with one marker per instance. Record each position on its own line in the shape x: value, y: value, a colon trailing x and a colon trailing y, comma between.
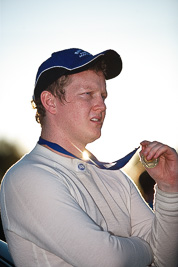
x: 61, y: 210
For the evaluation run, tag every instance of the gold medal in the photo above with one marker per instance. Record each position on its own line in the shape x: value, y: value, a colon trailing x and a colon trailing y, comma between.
x: 149, y: 163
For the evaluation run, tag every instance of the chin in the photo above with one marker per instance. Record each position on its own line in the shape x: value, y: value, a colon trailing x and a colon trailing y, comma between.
x: 94, y: 138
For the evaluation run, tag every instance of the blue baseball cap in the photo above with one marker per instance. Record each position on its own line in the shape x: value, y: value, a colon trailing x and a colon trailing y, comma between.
x: 74, y: 60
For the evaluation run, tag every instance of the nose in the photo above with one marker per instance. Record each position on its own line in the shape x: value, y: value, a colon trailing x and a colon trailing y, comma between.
x: 99, y: 104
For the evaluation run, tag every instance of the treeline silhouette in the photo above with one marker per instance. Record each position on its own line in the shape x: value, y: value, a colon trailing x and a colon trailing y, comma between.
x: 9, y: 154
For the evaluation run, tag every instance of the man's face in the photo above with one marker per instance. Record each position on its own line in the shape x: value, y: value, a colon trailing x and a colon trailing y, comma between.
x: 80, y: 117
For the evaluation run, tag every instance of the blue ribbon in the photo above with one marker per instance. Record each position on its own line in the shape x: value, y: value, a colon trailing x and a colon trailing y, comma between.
x: 116, y: 165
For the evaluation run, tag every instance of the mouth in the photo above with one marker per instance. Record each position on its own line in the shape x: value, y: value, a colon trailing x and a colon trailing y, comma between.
x: 97, y: 120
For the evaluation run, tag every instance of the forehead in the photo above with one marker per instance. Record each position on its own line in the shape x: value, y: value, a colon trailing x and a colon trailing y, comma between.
x: 88, y: 78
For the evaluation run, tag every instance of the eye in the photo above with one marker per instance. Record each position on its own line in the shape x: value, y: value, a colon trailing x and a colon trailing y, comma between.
x: 87, y: 94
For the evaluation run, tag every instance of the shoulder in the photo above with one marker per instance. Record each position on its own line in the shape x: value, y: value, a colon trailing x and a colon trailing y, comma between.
x: 32, y: 171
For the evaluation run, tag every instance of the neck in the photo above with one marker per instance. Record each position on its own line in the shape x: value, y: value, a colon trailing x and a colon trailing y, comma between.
x: 75, y: 149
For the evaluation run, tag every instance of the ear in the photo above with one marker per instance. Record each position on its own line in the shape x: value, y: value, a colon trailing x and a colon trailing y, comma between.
x: 49, y: 101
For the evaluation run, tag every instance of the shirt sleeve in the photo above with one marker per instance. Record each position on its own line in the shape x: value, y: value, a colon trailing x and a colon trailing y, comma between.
x: 158, y: 228
x: 40, y: 208
x: 164, y: 234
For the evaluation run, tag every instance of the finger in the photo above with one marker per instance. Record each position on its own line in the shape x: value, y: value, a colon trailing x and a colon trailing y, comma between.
x: 152, y: 149
x: 144, y: 144
x: 164, y: 150
x: 147, y: 146
x: 156, y: 151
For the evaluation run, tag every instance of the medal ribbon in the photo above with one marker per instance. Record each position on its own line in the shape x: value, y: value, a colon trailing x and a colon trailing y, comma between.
x: 116, y: 165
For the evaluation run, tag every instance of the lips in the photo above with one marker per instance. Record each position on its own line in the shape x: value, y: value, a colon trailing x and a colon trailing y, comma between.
x: 97, y: 119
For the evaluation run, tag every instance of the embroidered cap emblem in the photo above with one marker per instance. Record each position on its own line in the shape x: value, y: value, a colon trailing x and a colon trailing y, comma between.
x: 81, y: 53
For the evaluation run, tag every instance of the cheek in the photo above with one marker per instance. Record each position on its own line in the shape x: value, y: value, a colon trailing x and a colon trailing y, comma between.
x: 76, y: 111
x: 76, y: 114
x: 81, y: 108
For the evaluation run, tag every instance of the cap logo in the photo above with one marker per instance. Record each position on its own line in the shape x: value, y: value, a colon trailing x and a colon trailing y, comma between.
x: 81, y: 53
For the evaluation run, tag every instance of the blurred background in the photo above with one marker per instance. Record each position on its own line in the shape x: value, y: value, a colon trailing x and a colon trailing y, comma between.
x: 142, y: 101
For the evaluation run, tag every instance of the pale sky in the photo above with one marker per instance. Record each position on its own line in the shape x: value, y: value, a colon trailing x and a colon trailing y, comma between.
x: 142, y: 101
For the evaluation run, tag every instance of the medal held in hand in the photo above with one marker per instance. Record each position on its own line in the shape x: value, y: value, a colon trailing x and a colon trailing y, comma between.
x: 149, y: 163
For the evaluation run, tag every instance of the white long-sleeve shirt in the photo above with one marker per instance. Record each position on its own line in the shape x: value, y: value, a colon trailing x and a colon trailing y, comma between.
x: 58, y: 211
